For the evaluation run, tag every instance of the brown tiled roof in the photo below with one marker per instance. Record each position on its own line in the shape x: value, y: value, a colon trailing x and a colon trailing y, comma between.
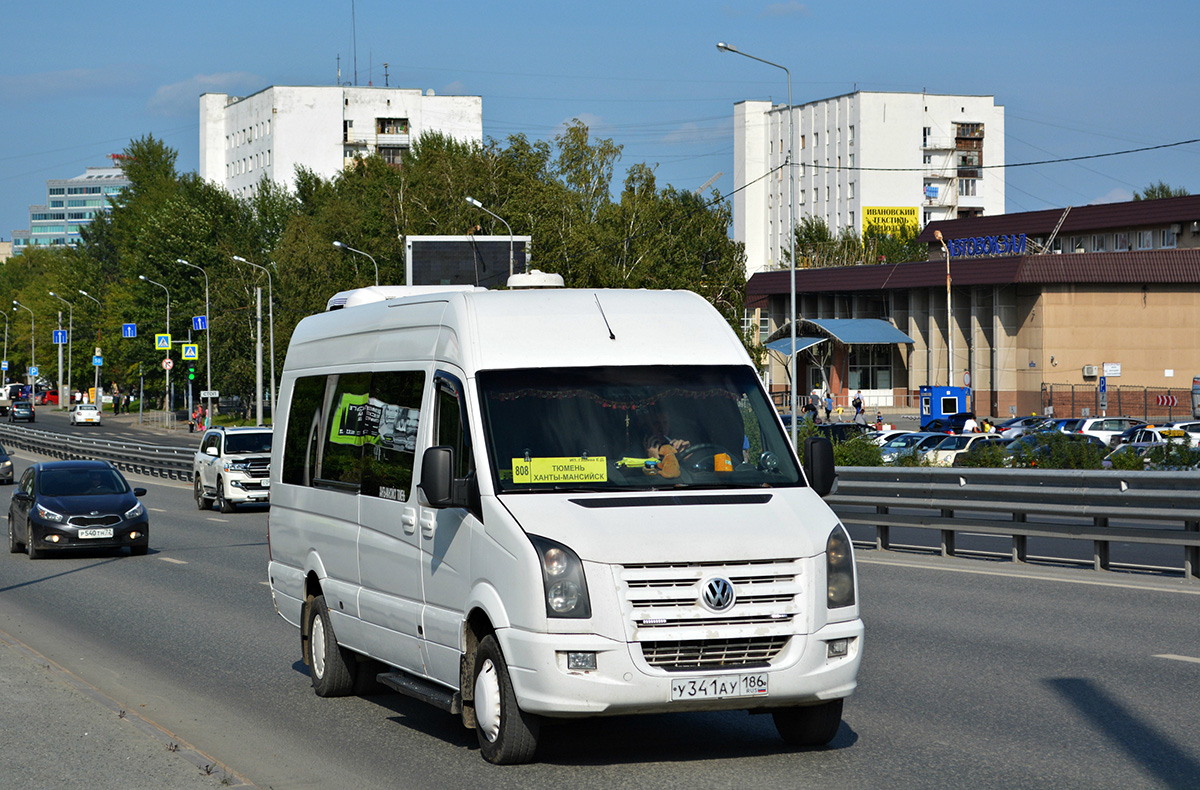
x: 1151, y: 266
x: 1103, y: 216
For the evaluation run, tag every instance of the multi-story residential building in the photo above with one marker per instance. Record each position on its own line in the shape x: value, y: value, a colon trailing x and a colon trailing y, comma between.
x: 860, y: 159
x: 323, y: 128
x: 71, y: 203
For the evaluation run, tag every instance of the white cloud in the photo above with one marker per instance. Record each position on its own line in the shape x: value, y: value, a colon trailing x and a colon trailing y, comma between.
x: 456, y: 88
x: 1118, y: 195
x: 180, y: 99
x: 790, y: 8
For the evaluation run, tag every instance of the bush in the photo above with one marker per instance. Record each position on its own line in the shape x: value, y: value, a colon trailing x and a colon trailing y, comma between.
x: 990, y: 456
x: 1053, y: 450
x: 859, y: 451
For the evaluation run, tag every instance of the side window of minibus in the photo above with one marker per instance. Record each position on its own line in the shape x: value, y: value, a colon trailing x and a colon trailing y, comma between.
x: 348, y: 426
x: 388, y: 456
x: 303, y: 440
x: 451, y: 426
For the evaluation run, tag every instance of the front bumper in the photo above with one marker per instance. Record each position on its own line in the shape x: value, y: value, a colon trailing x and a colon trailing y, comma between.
x: 54, y: 536
x: 622, y: 684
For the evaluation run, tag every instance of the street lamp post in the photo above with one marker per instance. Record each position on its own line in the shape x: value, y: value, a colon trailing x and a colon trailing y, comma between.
x: 207, y: 335
x: 937, y: 234
x: 167, y: 370
x: 341, y: 246
x: 70, y: 337
x: 96, y: 368
x: 723, y: 47
x: 481, y: 207
x: 4, y: 374
x: 32, y: 348
x: 271, y: 321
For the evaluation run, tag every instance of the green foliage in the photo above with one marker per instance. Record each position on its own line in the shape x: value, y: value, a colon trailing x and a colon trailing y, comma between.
x: 859, y: 451
x: 911, y: 458
x: 1127, y: 459
x: 818, y: 247
x: 991, y: 456
x: 1054, y: 450
x: 557, y: 192
x: 1160, y: 190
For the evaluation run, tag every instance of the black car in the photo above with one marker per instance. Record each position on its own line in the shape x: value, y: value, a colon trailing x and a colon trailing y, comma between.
x: 21, y: 410
x: 951, y: 423
x: 73, y: 505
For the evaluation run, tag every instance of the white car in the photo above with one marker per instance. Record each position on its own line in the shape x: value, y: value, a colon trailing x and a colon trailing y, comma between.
x: 1106, y: 429
x: 233, y: 467
x: 85, y: 414
x: 945, y: 451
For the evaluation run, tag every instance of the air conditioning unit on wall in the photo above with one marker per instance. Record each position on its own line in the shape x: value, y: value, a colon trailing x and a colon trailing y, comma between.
x: 1090, y: 371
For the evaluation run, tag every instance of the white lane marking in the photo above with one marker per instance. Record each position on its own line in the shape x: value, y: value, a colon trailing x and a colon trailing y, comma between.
x: 172, y: 559
x: 1173, y: 657
x: 222, y: 520
x: 157, y: 509
x: 1094, y: 582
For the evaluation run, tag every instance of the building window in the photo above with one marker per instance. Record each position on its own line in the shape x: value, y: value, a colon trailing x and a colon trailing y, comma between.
x: 928, y: 217
x: 801, y: 142
x: 800, y: 197
x: 764, y: 326
x: 850, y: 134
x: 1120, y: 242
x: 1077, y: 244
x: 925, y: 132
x: 966, y: 187
x: 1167, y: 238
x: 869, y: 367
x: 1098, y: 243
x: 392, y: 154
x: 850, y: 192
x: 927, y: 159
x: 1145, y: 239
x: 851, y: 161
x: 852, y: 225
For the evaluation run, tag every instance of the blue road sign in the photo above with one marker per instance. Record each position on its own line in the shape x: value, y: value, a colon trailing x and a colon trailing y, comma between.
x: 1104, y: 383
x: 128, y: 330
x: 33, y: 370
x: 60, y: 336
x: 199, y: 323
x: 191, y: 351
x: 4, y: 365
x: 98, y: 361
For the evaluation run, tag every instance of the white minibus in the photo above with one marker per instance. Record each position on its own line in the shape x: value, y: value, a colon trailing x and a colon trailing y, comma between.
x: 523, y: 506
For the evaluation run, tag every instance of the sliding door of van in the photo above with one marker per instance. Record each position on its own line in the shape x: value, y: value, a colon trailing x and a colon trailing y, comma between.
x: 389, y: 549
x: 446, y: 535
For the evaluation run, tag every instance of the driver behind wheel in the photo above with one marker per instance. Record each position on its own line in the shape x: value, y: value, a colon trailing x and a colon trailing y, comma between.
x: 657, y: 439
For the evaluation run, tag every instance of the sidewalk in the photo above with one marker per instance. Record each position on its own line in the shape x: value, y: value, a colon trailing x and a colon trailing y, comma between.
x: 60, y: 733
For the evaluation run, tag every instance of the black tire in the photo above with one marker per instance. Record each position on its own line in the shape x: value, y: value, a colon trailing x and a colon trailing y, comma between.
x: 34, y: 553
x: 14, y: 545
x: 811, y: 725
x: 223, y: 504
x: 333, y: 668
x: 202, y: 502
x: 507, y: 735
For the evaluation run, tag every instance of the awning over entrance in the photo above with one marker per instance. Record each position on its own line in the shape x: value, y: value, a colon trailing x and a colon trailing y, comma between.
x: 784, y: 345
x: 858, y: 331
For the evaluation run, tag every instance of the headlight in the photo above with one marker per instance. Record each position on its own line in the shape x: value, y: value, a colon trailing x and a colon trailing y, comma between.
x: 839, y: 568
x: 562, y: 580
x: 135, y: 511
x: 235, y: 466
x: 47, y: 514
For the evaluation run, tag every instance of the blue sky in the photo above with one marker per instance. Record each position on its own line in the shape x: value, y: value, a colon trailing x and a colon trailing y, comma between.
x: 78, y: 80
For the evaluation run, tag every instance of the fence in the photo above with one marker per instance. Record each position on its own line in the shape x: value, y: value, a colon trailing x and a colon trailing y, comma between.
x: 146, y: 459
x: 1162, y: 404
x: 1161, y: 508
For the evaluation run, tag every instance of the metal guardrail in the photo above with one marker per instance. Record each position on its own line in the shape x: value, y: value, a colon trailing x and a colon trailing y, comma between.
x: 1164, y: 507
x: 153, y: 460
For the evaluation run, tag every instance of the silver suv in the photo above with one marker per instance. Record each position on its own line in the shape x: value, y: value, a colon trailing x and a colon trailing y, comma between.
x: 232, y: 467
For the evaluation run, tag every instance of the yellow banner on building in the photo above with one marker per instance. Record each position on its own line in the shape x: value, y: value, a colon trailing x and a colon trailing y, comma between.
x: 891, y: 219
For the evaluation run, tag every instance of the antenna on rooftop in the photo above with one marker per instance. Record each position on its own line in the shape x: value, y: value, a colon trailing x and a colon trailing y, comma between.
x: 354, y: 39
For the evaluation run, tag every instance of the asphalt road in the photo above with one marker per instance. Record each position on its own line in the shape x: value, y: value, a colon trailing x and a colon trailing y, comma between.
x: 975, y: 674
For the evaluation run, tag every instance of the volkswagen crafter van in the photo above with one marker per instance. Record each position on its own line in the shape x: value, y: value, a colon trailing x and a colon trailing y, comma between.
x: 529, y: 505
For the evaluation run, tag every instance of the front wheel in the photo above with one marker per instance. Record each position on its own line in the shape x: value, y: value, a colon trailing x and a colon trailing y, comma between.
x: 811, y: 725
x: 507, y: 735
x: 333, y: 667
x: 223, y: 504
x: 14, y: 545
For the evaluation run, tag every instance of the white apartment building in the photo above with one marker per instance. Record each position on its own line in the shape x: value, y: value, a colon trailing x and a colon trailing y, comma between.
x: 323, y: 128
x: 862, y: 158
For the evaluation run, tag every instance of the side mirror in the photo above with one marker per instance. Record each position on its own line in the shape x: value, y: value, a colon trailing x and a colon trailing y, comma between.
x: 211, y: 451
x: 139, y: 492
x: 437, y: 476
x: 818, y: 464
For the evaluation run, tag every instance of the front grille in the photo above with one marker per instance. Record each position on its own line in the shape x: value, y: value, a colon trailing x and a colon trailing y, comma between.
x: 258, y: 467
x: 676, y: 632
x: 709, y: 654
x: 94, y: 521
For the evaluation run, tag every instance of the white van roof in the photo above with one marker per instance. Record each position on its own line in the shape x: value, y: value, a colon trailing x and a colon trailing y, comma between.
x: 381, y: 293
x: 481, y: 329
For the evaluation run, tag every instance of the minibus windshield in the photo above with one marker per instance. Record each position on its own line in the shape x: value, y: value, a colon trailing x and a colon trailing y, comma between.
x: 627, y: 427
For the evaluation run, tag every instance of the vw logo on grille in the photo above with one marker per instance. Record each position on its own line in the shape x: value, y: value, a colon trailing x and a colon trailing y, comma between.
x: 718, y: 594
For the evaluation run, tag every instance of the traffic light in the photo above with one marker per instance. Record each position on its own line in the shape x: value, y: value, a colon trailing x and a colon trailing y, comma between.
x: 191, y: 373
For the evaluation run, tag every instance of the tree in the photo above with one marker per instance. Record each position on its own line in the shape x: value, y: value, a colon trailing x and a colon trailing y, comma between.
x: 1160, y: 190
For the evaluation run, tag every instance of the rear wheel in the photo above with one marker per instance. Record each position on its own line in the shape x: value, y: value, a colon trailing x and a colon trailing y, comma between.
x: 811, y: 725
x: 202, y: 502
x: 333, y: 668
x: 507, y: 735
